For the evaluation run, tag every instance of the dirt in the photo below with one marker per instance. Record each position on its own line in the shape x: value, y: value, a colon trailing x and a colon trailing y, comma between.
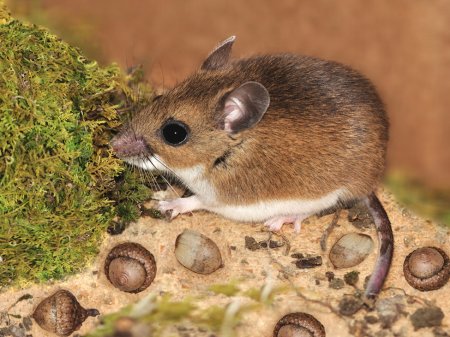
x: 310, y: 290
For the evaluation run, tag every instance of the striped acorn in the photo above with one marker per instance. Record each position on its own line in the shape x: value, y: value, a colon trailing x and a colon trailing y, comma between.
x: 61, y: 313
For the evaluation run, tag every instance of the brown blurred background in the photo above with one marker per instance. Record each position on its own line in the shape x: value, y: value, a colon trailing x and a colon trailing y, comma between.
x: 402, y: 45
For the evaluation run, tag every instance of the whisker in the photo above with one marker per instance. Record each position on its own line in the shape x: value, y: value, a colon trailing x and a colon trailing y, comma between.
x: 163, y: 177
x: 142, y: 177
x: 162, y: 74
x: 149, y: 174
x: 168, y: 169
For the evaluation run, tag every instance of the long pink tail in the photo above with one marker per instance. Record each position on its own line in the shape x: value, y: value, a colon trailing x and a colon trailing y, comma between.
x: 386, y: 244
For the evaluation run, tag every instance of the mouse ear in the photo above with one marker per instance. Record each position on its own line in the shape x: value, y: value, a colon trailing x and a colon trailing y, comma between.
x: 219, y: 56
x: 245, y: 106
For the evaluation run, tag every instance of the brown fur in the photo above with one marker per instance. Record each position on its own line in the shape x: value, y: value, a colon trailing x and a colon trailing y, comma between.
x: 325, y: 129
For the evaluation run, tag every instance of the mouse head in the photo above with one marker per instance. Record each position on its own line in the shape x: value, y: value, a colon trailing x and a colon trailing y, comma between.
x: 198, y: 121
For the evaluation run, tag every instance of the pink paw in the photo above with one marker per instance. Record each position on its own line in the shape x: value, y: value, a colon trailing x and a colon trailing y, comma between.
x: 179, y: 206
x: 276, y: 223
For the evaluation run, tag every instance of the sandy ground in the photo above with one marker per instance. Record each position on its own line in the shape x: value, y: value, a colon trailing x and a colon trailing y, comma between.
x: 256, y: 269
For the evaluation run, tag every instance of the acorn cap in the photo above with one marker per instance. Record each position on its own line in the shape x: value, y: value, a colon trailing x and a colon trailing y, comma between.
x: 130, y: 267
x: 299, y: 324
x: 427, y: 268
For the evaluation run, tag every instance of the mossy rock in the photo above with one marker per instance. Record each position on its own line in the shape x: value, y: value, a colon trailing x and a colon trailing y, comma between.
x: 60, y: 185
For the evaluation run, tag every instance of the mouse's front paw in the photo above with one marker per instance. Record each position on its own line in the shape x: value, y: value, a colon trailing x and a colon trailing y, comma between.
x: 179, y: 206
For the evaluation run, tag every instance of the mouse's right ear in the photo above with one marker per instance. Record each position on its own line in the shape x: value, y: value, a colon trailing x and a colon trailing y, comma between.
x: 244, y: 107
x: 219, y: 56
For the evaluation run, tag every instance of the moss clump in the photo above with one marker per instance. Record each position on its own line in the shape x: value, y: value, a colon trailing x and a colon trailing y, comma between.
x: 161, y: 313
x: 4, y: 13
x: 58, y: 178
x: 429, y: 202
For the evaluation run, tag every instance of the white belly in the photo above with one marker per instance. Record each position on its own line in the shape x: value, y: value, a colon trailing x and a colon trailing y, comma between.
x: 268, y: 209
x: 194, y: 178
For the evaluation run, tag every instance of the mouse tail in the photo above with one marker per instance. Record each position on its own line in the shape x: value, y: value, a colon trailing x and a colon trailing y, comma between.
x: 386, y: 244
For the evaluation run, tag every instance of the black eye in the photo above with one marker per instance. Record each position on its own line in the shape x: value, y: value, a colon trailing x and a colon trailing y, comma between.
x: 175, y: 132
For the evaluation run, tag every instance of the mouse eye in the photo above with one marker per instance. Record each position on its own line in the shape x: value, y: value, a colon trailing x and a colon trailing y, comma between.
x: 175, y: 132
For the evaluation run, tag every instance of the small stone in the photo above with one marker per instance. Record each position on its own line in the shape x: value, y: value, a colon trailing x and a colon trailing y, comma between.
x: 427, y: 317
x: 359, y: 217
x: 152, y: 213
x: 275, y: 244
x: 329, y: 275
x: 350, y: 305
x: 351, y: 278
x: 382, y: 333
x: 116, y: 228
x: 251, y: 243
x: 409, y: 241
x: 336, y: 283
x: 439, y: 332
x: 18, y: 331
x: 371, y: 319
x: 6, y: 331
x: 390, y: 309
x: 27, y: 323
x: 366, y: 281
x: 297, y: 256
x: 25, y: 297
x: 309, y: 262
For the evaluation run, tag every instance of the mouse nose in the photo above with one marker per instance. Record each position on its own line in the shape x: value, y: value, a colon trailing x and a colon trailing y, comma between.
x: 127, y: 145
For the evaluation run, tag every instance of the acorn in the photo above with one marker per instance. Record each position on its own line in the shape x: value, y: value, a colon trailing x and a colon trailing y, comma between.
x: 350, y: 250
x: 427, y: 268
x: 130, y: 267
x: 298, y: 324
x: 61, y: 313
x: 197, y: 252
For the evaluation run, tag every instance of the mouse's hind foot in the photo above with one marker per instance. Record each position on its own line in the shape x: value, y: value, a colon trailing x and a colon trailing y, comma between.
x: 276, y: 223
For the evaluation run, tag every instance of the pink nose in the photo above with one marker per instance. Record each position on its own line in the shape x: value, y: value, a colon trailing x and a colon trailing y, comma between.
x: 126, y: 145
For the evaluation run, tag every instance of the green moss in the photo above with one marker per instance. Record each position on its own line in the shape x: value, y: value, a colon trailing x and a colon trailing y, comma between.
x: 431, y: 203
x: 160, y: 312
x: 227, y: 289
x: 4, y: 13
x: 59, y: 182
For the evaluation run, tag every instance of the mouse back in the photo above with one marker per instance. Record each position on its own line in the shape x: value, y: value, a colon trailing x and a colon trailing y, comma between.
x: 275, y: 126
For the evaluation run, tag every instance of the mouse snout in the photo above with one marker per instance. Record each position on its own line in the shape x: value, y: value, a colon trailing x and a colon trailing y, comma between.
x: 127, y: 145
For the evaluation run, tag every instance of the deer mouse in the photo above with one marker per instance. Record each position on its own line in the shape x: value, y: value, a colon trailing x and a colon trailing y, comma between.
x: 272, y: 138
